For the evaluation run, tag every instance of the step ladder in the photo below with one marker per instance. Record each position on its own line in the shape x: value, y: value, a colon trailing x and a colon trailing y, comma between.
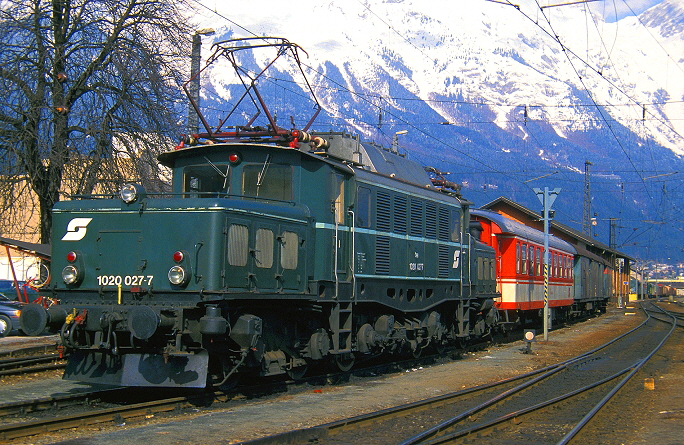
x: 341, y: 327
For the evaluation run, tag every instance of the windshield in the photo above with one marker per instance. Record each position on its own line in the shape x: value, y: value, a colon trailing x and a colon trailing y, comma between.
x: 206, y: 180
x: 272, y: 181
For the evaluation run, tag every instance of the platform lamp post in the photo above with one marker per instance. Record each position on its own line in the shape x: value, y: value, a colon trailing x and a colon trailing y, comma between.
x: 194, y: 86
x: 547, y: 197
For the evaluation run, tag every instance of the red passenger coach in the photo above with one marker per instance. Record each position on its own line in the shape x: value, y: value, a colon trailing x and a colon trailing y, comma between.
x: 520, y: 267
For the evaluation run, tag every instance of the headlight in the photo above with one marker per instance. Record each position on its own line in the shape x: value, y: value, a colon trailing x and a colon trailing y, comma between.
x: 132, y: 192
x: 70, y: 275
x: 177, y: 275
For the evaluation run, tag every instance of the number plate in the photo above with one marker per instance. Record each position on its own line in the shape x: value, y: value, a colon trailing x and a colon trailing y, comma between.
x: 125, y: 280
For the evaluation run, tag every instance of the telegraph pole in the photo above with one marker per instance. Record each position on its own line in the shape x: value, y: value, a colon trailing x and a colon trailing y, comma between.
x: 547, y: 197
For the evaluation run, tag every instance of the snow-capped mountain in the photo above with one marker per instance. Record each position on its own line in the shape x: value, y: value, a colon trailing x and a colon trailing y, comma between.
x: 496, y: 94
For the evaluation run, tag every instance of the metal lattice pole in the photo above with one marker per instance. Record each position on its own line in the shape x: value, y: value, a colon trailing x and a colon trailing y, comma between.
x: 586, y: 220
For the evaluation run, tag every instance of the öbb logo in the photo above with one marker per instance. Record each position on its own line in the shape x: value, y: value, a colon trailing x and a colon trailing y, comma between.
x: 76, y: 229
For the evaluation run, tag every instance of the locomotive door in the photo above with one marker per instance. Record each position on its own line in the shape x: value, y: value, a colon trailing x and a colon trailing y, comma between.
x: 263, y: 268
x: 291, y: 261
x: 237, y: 274
x: 341, y: 228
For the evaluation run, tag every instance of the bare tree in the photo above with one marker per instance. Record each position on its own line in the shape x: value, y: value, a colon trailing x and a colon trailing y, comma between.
x: 88, y: 86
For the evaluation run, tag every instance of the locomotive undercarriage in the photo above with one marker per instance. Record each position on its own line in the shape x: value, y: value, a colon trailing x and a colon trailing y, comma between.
x: 221, y: 340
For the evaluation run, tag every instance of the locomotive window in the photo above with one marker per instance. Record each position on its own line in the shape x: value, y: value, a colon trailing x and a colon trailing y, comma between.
x: 238, y: 245
x: 289, y: 248
x: 271, y: 181
x: 363, y: 207
x: 338, y: 195
x: 455, y: 226
x: 263, y: 250
x: 443, y: 223
x: 492, y: 270
x: 206, y: 180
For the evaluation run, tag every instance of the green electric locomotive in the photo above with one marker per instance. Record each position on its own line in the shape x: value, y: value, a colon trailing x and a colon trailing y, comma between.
x: 265, y: 259
x: 276, y: 250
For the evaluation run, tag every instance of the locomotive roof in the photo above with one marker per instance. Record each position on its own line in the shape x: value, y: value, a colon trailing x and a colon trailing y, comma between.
x: 343, y: 148
x: 374, y: 158
x: 512, y: 227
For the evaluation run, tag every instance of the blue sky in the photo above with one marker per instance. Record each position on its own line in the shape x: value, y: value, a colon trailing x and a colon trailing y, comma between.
x: 624, y: 8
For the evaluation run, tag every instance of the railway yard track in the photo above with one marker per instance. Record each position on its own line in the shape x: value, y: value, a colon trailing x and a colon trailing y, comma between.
x: 118, y: 405
x: 33, y: 363
x: 521, y: 409
x: 561, y: 404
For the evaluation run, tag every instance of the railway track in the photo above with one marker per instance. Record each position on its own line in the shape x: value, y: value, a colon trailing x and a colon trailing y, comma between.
x: 551, y: 405
x: 120, y: 405
x: 34, y: 363
x: 117, y: 406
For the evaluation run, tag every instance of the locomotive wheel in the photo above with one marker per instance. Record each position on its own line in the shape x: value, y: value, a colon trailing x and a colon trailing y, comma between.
x: 417, y: 352
x: 344, y: 362
x: 440, y: 346
x: 298, y: 372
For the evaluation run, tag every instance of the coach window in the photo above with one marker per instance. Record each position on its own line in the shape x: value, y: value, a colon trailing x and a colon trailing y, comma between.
x: 238, y: 248
x: 263, y: 250
x: 532, y: 258
x: 270, y: 181
x: 524, y: 259
x: 206, y: 180
x: 363, y: 207
x: 518, y: 260
x: 539, y: 261
x: 532, y: 250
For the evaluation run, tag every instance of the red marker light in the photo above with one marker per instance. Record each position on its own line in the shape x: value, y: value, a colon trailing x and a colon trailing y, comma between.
x: 71, y: 257
x: 234, y: 158
x: 178, y: 256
